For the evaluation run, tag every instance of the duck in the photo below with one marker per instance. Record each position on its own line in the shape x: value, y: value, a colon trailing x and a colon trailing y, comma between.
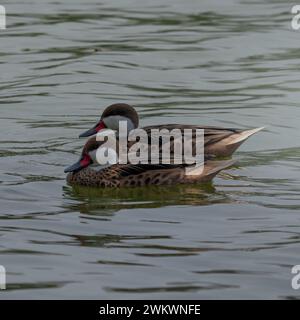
x: 87, y: 171
x: 218, y: 141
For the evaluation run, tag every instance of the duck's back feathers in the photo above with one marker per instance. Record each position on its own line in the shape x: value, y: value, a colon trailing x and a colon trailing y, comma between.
x: 220, y: 142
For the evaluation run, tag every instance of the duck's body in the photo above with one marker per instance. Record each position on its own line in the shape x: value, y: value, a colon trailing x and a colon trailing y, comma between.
x: 133, y: 175
x: 217, y: 142
x: 143, y: 175
x: 221, y: 142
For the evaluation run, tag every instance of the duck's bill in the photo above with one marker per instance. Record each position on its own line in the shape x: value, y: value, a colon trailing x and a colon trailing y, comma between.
x: 88, y: 133
x: 99, y: 126
x: 74, y: 167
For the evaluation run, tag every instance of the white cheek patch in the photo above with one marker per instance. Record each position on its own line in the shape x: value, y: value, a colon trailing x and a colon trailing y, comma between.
x: 103, y: 157
x: 106, y: 156
x: 112, y: 122
x: 105, y: 133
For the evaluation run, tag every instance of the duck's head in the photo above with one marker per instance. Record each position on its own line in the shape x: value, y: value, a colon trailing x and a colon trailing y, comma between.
x: 86, y: 157
x: 111, y: 116
x: 95, y: 153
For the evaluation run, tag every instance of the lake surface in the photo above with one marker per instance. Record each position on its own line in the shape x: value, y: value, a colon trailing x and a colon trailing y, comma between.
x: 226, y: 63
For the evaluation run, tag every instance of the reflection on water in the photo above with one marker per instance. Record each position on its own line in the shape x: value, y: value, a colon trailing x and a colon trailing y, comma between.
x: 228, y: 63
x: 151, y: 197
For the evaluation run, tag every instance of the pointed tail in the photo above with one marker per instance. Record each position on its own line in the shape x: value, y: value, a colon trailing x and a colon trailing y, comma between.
x: 242, y: 136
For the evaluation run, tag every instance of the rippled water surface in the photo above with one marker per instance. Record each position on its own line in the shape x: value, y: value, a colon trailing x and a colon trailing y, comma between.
x: 230, y: 63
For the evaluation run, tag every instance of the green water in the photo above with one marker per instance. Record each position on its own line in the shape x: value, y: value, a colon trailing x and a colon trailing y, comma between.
x: 226, y: 63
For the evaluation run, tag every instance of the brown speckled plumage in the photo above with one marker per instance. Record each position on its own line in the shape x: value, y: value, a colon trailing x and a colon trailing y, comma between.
x: 143, y: 175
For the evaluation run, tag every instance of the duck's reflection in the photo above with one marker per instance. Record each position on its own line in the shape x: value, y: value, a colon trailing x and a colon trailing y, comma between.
x: 108, y: 200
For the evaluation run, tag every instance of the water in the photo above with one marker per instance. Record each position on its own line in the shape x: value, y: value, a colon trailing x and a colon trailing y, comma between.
x: 227, y: 63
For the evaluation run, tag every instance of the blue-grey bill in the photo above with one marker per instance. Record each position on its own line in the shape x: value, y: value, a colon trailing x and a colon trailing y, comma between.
x: 74, y: 167
x: 88, y: 133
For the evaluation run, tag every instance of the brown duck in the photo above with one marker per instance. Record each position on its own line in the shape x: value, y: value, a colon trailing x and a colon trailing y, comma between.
x: 221, y: 142
x: 129, y: 175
